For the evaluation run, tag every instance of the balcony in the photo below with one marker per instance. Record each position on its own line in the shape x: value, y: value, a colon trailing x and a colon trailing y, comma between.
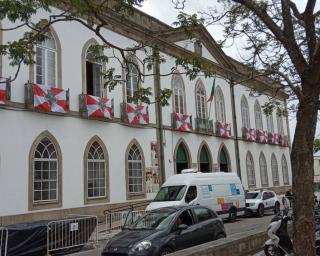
x: 223, y: 129
x: 135, y: 114
x: 249, y: 134
x: 204, y: 125
x: 181, y: 122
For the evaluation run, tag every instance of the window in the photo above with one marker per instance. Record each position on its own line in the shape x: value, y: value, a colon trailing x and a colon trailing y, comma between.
x: 45, y: 172
x: 220, y: 109
x: 182, y: 160
x: 93, y: 73
x: 258, y: 116
x: 191, y: 194
x: 46, y: 61
x: 135, y: 173
x: 132, y: 80
x: 224, y: 160
x: 274, y: 168
x: 285, y: 170
x: 185, y: 218
x: 263, y: 170
x: 202, y: 214
x: 270, y: 123
x: 280, y: 124
x: 201, y: 101
x: 178, y: 94
x: 265, y: 196
x: 245, y: 112
x: 96, y: 172
x: 250, y: 170
x: 204, y: 161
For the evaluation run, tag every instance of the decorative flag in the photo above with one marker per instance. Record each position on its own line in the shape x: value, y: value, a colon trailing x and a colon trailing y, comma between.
x: 276, y: 138
x: 272, y: 138
x: 262, y: 137
x: 50, y: 99
x: 212, y: 90
x: 99, y: 107
x: 137, y: 114
x: 285, y: 141
x: 249, y: 134
x: 183, y: 122
x: 224, y: 129
x: 3, y: 92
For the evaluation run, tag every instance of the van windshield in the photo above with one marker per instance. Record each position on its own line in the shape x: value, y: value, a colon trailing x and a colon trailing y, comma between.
x: 170, y: 193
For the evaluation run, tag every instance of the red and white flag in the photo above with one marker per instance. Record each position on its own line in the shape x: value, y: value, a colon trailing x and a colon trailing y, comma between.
x: 99, y: 107
x: 272, y: 138
x: 50, y: 99
x: 3, y: 93
x: 262, y: 136
x: 224, y: 129
x: 183, y: 122
x: 250, y: 134
x: 137, y: 114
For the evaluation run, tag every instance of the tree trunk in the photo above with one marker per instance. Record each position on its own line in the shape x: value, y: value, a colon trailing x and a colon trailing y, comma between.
x: 303, y: 177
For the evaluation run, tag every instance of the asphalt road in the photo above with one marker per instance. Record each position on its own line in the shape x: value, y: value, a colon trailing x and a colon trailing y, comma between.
x: 241, y: 225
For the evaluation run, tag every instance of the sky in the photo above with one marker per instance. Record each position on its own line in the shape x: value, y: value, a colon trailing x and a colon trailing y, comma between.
x: 164, y: 10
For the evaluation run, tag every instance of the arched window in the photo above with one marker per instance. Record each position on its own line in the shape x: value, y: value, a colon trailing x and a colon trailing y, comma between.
x: 224, y: 160
x: 204, y: 159
x: 220, y: 108
x: 280, y: 123
x: 132, y: 80
x: 46, y: 61
x: 258, y: 116
x: 270, y: 122
x: 182, y: 158
x: 96, y: 168
x: 178, y: 94
x: 93, y: 72
x: 245, y: 112
x: 263, y: 170
x: 201, y: 101
x: 274, y: 168
x: 285, y: 171
x: 135, y: 172
x: 250, y: 170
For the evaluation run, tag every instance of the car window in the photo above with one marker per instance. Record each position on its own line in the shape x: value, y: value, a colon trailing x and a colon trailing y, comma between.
x: 202, y: 214
x: 265, y: 196
x: 184, y: 218
x: 191, y: 194
x: 271, y: 194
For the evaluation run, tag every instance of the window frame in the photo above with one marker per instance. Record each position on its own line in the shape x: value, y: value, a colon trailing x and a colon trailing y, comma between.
x: 262, y: 158
x: 201, y: 100
x: 179, y: 95
x: 258, y: 116
x: 285, y: 181
x: 270, y: 125
x: 203, y: 208
x: 250, y: 157
x: 245, y: 112
x: 220, y: 105
x: 275, y: 170
x: 280, y: 124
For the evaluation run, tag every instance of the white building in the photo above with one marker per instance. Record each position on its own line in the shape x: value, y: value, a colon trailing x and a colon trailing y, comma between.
x: 53, y: 164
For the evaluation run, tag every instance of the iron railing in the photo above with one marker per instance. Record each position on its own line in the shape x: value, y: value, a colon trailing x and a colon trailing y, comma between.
x: 204, y: 125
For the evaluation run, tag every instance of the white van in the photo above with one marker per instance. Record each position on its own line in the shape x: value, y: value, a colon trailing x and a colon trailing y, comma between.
x: 223, y: 192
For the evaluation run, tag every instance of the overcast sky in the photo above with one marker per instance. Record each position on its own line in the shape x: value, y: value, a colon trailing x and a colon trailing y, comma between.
x: 164, y: 11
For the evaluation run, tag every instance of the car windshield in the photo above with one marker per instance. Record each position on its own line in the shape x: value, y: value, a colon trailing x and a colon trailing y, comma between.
x: 159, y: 219
x: 170, y: 193
x: 253, y: 195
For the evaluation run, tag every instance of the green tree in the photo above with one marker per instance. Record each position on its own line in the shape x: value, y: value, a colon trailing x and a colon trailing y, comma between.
x: 316, y: 145
x: 283, y: 43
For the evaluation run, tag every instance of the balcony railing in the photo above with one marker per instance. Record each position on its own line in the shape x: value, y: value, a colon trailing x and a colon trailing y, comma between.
x: 204, y: 125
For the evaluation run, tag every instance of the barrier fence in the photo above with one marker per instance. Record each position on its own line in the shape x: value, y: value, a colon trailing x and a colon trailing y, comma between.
x: 3, y: 241
x: 71, y: 232
x: 116, y: 220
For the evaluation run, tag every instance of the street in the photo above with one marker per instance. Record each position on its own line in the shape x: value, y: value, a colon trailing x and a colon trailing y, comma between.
x: 241, y: 225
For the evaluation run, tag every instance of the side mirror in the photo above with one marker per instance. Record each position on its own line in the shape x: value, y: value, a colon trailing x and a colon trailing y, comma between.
x: 182, y: 227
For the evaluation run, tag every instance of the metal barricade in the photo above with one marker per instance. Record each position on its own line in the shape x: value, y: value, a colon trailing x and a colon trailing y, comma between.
x: 116, y: 220
x: 3, y: 241
x: 71, y: 232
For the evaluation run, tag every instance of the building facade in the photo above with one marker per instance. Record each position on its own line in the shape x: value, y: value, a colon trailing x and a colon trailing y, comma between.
x: 68, y: 145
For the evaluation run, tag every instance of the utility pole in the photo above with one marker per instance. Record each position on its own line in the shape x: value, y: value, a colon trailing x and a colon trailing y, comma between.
x: 235, y: 127
x: 159, y: 124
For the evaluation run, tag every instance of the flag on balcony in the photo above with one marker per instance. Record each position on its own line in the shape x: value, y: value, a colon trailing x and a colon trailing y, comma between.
x: 249, y: 134
x: 50, y: 99
x: 137, y: 114
x: 3, y: 93
x: 212, y: 90
x: 183, y: 122
x: 224, y: 129
x: 262, y: 136
x: 99, y: 107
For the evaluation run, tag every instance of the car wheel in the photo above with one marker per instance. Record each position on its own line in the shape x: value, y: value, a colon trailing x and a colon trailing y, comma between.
x: 166, y: 251
x: 232, y: 215
x: 260, y: 211
x: 277, y: 208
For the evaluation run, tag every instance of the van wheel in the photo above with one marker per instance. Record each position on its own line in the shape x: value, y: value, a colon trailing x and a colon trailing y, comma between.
x: 277, y: 208
x: 260, y: 211
x: 232, y: 215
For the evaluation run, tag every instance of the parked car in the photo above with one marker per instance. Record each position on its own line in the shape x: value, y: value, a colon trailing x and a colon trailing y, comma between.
x: 257, y: 202
x: 222, y: 192
x: 162, y: 231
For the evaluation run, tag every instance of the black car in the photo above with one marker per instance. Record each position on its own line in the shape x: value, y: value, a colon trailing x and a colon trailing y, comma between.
x: 164, y: 230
